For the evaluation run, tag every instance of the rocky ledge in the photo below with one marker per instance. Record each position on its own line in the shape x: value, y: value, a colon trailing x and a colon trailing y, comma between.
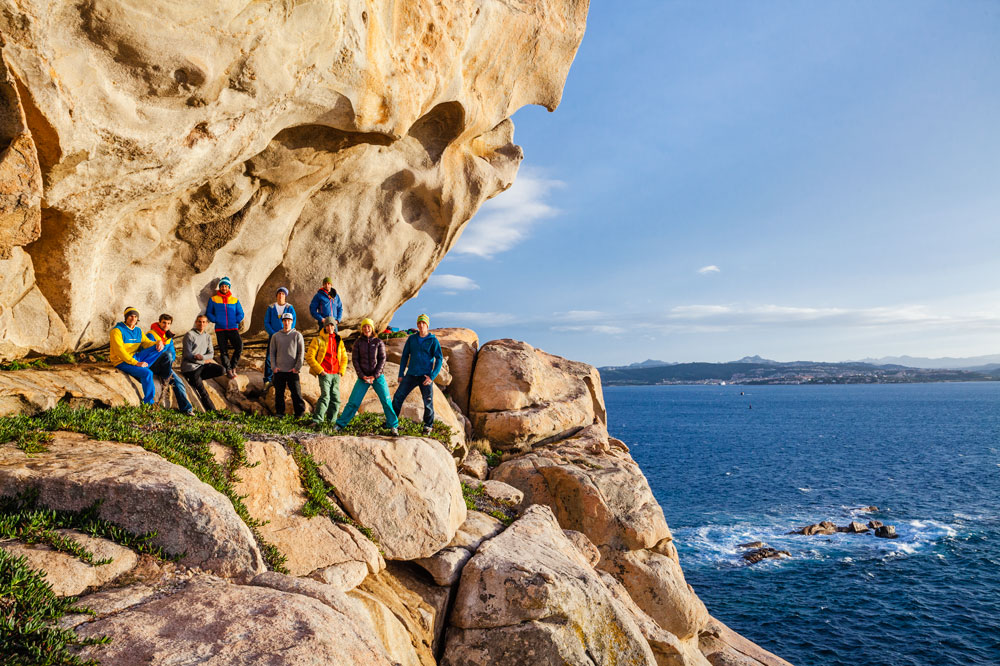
x: 548, y: 548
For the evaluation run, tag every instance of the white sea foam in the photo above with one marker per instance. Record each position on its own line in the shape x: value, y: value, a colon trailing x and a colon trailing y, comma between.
x: 806, y: 490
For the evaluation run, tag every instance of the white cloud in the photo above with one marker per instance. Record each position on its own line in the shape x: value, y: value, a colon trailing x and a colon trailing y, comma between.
x: 578, y: 315
x: 597, y: 328
x: 705, y: 270
x: 452, y: 283
x: 474, y: 318
x: 506, y: 220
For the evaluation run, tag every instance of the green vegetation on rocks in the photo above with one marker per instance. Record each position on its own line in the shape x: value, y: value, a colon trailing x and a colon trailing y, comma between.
x: 477, y: 499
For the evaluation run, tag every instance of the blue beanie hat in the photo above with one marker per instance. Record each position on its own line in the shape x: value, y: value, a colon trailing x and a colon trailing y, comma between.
x: 282, y: 289
x: 225, y: 280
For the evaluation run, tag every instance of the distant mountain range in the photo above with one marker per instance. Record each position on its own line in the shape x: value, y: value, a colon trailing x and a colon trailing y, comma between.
x: 757, y: 370
x: 968, y: 363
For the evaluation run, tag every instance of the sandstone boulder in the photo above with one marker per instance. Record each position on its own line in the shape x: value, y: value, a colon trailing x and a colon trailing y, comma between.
x: 273, y: 493
x: 140, y: 492
x: 475, y: 465
x: 459, y: 346
x: 592, y: 487
x: 213, y: 622
x: 404, y: 488
x: 445, y: 566
x: 431, y: 602
x: 584, y: 545
x: 33, y: 391
x: 503, y: 493
x: 724, y: 647
x: 656, y: 583
x: 67, y: 574
x: 179, y: 143
x: 529, y: 591
x: 522, y: 396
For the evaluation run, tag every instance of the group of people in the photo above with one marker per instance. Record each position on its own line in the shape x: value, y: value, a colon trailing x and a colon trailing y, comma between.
x: 149, y: 355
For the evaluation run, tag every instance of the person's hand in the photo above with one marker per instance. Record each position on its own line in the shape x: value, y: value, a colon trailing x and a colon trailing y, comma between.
x: 143, y: 365
x: 427, y: 380
x: 369, y: 380
x: 295, y: 370
x: 199, y: 357
x: 159, y: 345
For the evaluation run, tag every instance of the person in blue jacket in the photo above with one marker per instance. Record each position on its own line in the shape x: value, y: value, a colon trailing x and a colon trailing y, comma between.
x: 326, y: 303
x: 272, y: 324
x: 226, y: 312
x: 419, y: 365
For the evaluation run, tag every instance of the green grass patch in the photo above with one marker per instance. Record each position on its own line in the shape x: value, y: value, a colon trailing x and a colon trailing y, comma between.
x: 24, y: 364
x: 29, y: 611
x: 476, y: 499
x: 393, y: 335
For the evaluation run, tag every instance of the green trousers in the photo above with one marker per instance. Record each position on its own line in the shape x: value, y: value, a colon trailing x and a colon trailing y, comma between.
x: 328, y: 405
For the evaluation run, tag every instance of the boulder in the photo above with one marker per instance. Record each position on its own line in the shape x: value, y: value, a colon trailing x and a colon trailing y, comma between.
x: 875, y: 524
x: 759, y: 554
x: 854, y: 527
x: 431, y: 602
x: 187, y: 515
x: 751, y: 544
x: 497, y: 490
x: 33, y: 391
x: 724, y: 647
x: 344, y: 576
x: 405, y: 489
x: 822, y: 528
x: 529, y: 591
x: 273, y: 494
x: 522, y: 396
x: 584, y: 545
x: 475, y: 465
x: 656, y: 583
x: 886, y: 532
x: 68, y: 575
x: 459, y: 347
x: 445, y: 566
x: 210, y: 621
x: 592, y: 487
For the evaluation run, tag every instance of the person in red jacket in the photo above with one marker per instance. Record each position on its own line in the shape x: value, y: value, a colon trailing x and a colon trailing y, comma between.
x: 225, y: 311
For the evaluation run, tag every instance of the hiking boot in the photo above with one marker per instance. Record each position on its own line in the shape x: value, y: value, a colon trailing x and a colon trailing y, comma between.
x: 428, y: 429
x: 337, y: 428
x: 394, y: 432
x: 268, y: 384
x: 189, y: 412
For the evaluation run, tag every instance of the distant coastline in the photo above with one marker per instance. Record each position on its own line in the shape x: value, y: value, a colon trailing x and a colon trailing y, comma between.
x: 765, y: 372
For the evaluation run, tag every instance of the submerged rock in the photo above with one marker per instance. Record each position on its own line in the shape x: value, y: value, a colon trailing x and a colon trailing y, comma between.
x: 886, y: 532
x: 758, y: 554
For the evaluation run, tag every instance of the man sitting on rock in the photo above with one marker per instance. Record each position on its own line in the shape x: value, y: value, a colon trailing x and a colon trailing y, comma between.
x: 225, y: 311
x: 272, y: 324
x: 326, y: 303
x: 419, y: 365
x: 161, y: 360
x: 196, y: 360
x: 287, y: 350
x: 327, y: 358
x: 126, y: 340
x: 368, y: 357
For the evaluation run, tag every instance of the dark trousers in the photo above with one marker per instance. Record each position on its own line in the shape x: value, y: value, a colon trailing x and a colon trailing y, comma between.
x: 407, y: 384
x: 291, y: 380
x: 196, y: 380
x: 268, y: 371
x: 225, y: 339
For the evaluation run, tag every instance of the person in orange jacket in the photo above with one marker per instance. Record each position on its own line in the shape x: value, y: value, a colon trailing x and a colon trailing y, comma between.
x: 327, y: 358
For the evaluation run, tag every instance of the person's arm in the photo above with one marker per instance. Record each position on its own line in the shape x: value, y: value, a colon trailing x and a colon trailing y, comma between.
x: 405, y: 357
x: 268, y: 322
x: 291, y: 309
x: 239, y: 313
x: 314, y: 308
x: 210, y: 311
x: 118, y: 346
x: 356, y: 360
x: 270, y: 353
x: 210, y: 354
x: 379, y: 358
x: 300, y: 350
x: 438, y: 360
x: 314, y: 348
x: 339, y: 307
x: 187, y: 351
x: 342, y: 357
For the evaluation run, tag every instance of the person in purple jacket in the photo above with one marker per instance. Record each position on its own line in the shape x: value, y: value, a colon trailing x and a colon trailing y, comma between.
x: 419, y: 365
x: 368, y: 357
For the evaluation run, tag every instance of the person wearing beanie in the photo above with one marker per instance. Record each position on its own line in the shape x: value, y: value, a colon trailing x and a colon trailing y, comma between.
x: 419, y: 364
x: 225, y: 311
x: 287, y: 350
x: 161, y: 356
x: 126, y: 339
x: 327, y: 358
x: 326, y: 303
x: 368, y: 357
x: 272, y: 324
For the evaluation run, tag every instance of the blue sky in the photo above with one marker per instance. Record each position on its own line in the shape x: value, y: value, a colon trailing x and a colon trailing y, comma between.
x: 802, y: 180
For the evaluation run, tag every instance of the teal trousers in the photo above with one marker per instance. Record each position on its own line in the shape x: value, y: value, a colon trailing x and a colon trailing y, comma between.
x: 358, y: 394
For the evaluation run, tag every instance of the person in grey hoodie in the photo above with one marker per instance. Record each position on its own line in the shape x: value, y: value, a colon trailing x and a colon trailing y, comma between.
x: 287, y: 352
x: 196, y: 360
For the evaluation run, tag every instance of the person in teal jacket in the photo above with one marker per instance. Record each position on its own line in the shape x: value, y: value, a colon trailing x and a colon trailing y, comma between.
x: 226, y: 312
x: 272, y: 324
x: 419, y: 365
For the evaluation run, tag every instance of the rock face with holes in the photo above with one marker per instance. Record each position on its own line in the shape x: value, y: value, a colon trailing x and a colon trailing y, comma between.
x: 149, y: 149
x: 522, y: 396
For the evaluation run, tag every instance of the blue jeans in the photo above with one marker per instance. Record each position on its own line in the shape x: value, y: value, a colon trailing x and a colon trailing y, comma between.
x: 161, y: 368
x: 183, y: 404
x: 406, y: 384
x: 268, y: 373
x: 145, y: 377
x: 358, y: 394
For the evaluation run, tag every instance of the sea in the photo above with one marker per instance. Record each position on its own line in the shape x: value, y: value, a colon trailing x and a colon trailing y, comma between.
x: 735, y: 464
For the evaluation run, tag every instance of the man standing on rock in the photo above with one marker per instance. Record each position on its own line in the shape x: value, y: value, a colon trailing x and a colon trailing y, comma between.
x: 326, y: 303
x: 272, y: 324
x: 368, y: 357
x: 161, y: 360
x: 327, y: 358
x: 225, y: 311
x: 287, y: 350
x: 126, y: 340
x: 422, y: 352
x: 196, y: 360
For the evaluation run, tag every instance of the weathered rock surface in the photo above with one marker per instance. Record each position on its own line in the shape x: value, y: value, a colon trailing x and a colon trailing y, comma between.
x: 522, y: 396
x: 656, y: 584
x: 475, y: 465
x: 178, y: 143
x: 32, y: 391
x: 529, y: 591
x: 886, y: 532
x: 141, y: 492
x: 592, y: 487
x: 68, y: 575
x: 724, y: 647
x: 274, y: 494
x: 459, y: 347
x: 404, y: 488
x: 211, y: 621
x: 585, y: 546
x: 853, y: 527
x: 756, y: 555
x: 824, y: 528
x: 498, y: 490
x: 445, y: 566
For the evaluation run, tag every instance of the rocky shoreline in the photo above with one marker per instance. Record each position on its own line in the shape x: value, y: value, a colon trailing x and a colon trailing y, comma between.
x: 581, y: 570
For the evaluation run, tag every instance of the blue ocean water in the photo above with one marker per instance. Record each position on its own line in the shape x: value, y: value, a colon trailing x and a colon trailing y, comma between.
x: 731, y: 464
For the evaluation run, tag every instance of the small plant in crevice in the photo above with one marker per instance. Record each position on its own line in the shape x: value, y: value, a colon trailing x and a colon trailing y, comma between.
x: 477, y: 499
